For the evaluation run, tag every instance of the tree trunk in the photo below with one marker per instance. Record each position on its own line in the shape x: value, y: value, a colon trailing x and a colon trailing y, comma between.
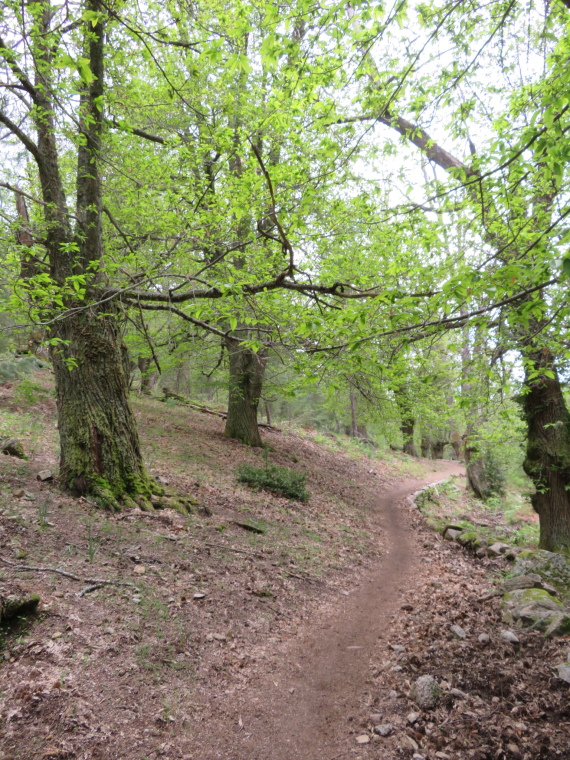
x: 100, y: 450
x: 476, y: 470
x: 437, y: 449
x: 547, y: 460
x: 407, y: 420
x: 246, y: 380
x: 353, y: 417
x: 426, y: 447
x: 144, y: 366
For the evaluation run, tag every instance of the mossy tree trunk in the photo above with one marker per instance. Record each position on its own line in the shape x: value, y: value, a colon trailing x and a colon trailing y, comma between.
x: 246, y: 374
x: 100, y: 451
x: 547, y: 460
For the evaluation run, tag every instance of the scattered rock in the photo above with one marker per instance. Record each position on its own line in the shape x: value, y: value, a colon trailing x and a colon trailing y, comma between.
x: 536, y: 608
x: 384, y: 729
x: 12, y: 447
x: 532, y: 580
x: 363, y: 739
x: 407, y: 607
x: 397, y: 669
x: 398, y: 648
x: 199, y: 596
x: 458, y: 693
x: 44, y: 475
x: 425, y: 692
x: 162, y: 480
x: 510, y: 637
x: 564, y: 672
x: 393, y: 694
x: 409, y: 743
x: 140, y: 569
x: 375, y: 718
x: 458, y: 631
x: 497, y: 549
x: 451, y: 534
x: 484, y: 638
x: 552, y: 567
x: 412, y: 717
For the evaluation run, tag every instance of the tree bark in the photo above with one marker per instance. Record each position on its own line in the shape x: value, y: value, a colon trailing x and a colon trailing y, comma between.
x: 437, y: 449
x: 547, y: 460
x: 245, y: 383
x: 353, y: 416
x: 407, y: 420
x: 426, y: 447
x: 100, y: 450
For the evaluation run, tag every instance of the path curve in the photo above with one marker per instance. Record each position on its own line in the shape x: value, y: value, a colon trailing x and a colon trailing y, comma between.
x: 319, y: 687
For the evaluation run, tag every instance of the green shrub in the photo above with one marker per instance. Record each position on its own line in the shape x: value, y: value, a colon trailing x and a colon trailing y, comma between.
x: 279, y: 480
x: 14, y: 367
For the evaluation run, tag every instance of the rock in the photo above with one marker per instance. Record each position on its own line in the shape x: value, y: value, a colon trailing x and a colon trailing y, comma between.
x: 397, y: 669
x: 532, y: 580
x: 564, y: 672
x: 479, y: 543
x: 536, y: 608
x: 162, y: 480
x: 17, y: 493
x: 412, y: 717
x: 384, y: 729
x: 140, y: 569
x: 458, y: 693
x: 425, y: 692
x: 407, y: 607
x: 451, y: 534
x: 409, y: 743
x: 398, y: 648
x: 375, y: 718
x: 458, y: 631
x: 44, y: 475
x: 393, y: 694
x: 12, y: 447
x: 497, y: 549
x: 363, y: 739
x: 199, y: 596
x: 15, y: 606
x: 484, y: 638
x: 467, y: 539
x: 551, y: 567
x: 510, y: 637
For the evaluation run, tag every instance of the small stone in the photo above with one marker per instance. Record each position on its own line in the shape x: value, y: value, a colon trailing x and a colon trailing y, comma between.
x: 398, y: 648
x: 375, y: 718
x: 393, y: 694
x: 425, y: 692
x: 363, y: 739
x: 407, y: 607
x: 412, y: 717
x: 140, y: 569
x: 162, y: 480
x: 199, y: 596
x: 397, y: 669
x: 44, y: 475
x: 510, y: 637
x: 484, y: 638
x: 57, y: 635
x: 564, y: 672
x: 409, y: 743
x: 458, y: 631
x: 384, y: 729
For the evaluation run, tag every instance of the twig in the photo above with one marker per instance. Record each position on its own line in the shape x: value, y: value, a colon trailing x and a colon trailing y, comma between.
x: 88, y: 589
x: 302, y: 577
x: 486, y: 598
x: 97, y: 581
x: 238, y: 551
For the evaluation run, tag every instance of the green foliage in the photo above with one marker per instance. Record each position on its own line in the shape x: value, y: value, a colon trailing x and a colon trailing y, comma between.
x: 279, y: 480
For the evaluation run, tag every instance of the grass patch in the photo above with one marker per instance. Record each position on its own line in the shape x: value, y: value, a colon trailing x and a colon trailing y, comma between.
x: 279, y: 480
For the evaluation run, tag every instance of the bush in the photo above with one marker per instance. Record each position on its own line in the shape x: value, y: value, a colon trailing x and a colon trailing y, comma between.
x: 279, y: 480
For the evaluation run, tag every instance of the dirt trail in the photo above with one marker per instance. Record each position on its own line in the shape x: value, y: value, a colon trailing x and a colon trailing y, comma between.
x: 301, y: 711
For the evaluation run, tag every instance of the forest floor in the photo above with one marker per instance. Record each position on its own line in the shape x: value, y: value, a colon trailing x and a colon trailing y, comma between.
x: 275, y: 643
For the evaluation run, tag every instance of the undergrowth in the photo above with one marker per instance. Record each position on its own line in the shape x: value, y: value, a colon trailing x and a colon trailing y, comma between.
x: 279, y: 480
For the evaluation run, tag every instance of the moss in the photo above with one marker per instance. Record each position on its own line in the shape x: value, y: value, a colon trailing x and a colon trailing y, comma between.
x: 523, y: 597
x: 18, y: 606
